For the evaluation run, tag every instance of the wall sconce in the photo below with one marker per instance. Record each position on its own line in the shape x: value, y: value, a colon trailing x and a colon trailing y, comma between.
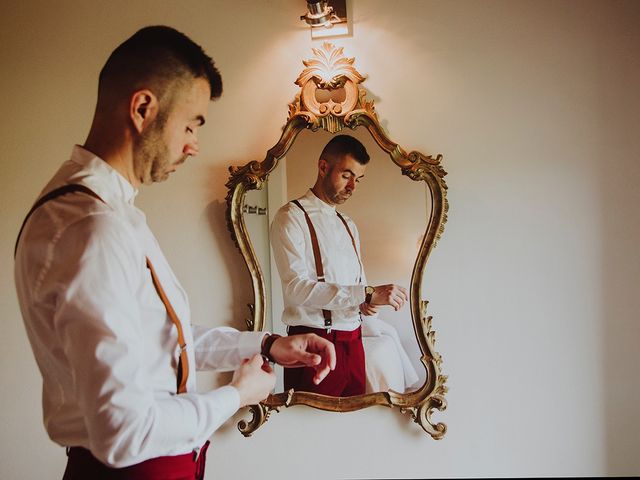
x: 327, y: 18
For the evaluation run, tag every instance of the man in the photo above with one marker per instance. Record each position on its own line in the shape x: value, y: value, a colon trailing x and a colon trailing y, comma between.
x: 317, y: 252
x: 108, y: 321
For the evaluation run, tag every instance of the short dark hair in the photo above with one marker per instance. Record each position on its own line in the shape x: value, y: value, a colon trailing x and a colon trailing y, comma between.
x: 342, y: 145
x: 156, y: 57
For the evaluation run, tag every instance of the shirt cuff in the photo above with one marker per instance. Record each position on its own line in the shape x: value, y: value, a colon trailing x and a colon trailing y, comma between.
x: 250, y: 344
x: 227, y: 401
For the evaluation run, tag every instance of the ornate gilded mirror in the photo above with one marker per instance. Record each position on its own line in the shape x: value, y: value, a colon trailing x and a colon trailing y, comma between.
x: 408, y: 188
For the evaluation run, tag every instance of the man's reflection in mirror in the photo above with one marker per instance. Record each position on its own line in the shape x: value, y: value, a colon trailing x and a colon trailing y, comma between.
x: 317, y: 253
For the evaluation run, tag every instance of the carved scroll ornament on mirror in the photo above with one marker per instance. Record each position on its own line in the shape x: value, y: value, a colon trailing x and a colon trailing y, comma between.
x: 331, y: 99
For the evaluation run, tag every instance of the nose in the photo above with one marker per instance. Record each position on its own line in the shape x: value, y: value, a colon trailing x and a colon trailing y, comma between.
x: 351, y: 185
x: 191, y: 148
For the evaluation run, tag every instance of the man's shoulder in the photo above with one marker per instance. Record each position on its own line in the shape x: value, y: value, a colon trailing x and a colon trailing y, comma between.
x: 76, y: 218
x: 288, y: 221
x: 289, y: 211
x: 66, y: 233
x: 76, y: 206
x: 100, y: 220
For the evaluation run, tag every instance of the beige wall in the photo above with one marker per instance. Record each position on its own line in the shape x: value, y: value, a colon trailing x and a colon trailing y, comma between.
x: 533, y: 286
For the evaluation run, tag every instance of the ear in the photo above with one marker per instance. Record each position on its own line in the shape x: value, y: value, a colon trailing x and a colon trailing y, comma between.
x: 143, y: 109
x: 323, y: 167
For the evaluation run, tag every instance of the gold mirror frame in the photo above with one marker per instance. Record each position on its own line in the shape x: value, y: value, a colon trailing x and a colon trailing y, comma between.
x: 330, y: 71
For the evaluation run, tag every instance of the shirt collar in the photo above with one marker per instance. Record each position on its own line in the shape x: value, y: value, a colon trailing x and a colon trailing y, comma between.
x: 319, y: 204
x: 101, y: 177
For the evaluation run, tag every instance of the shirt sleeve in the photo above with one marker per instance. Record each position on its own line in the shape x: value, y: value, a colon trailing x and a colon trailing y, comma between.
x: 300, y: 286
x: 99, y: 327
x: 223, y: 348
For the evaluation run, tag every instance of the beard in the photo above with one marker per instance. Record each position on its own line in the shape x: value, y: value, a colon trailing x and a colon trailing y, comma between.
x: 151, y: 154
x: 337, y: 197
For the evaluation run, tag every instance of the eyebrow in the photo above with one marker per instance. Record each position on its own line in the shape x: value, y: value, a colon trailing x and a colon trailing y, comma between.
x: 352, y: 173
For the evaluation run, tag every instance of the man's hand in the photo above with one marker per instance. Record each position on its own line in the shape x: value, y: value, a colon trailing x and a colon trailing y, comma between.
x: 306, y: 350
x: 393, y: 295
x: 368, y: 309
x: 254, y: 380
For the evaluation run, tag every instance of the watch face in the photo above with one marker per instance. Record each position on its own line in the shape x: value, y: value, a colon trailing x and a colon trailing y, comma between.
x: 368, y: 290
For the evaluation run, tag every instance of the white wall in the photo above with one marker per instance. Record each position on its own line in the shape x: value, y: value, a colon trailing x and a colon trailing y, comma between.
x: 533, y: 287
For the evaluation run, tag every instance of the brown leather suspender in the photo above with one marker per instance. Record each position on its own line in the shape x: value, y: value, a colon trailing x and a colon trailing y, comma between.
x: 50, y: 196
x: 318, y: 258
x: 353, y: 242
x: 183, y: 363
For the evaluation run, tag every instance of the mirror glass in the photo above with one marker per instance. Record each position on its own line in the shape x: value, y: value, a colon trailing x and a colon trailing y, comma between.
x: 390, y: 212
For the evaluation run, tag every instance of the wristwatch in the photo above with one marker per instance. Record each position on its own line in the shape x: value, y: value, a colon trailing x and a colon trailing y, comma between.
x: 368, y: 292
x: 266, y: 348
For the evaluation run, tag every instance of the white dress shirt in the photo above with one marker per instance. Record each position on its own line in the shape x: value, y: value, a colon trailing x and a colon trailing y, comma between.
x: 100, y: 334
x: 305, y: 297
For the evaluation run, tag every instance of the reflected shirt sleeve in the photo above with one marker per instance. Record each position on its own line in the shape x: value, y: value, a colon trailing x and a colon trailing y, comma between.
x: 292, y: 253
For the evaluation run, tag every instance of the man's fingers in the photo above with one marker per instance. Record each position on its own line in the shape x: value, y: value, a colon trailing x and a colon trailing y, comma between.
x: 266, y: 366
x: 368, y: 309
x: 321, y: 374
x: 395, y: 302
x: 401, y: 295
x: 253, y: 380
x: 256, y: 361
x: 309, y: 359
x: 330, y: 356
x: 324, y: 348
x: 398, y: 297
x: 392, y: 295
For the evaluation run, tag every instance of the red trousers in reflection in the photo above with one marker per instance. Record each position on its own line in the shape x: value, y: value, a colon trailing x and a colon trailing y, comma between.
x: 348, y: 378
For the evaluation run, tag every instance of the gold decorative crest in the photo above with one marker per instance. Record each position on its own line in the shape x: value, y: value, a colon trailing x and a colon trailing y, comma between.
x: 329, y: 90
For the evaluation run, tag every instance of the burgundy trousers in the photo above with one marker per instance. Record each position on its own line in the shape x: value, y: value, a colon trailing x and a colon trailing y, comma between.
x: 82, y: 465
x: 348, y: 378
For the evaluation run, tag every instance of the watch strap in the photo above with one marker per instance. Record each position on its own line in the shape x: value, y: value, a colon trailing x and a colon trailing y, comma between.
x: 268, y: 343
